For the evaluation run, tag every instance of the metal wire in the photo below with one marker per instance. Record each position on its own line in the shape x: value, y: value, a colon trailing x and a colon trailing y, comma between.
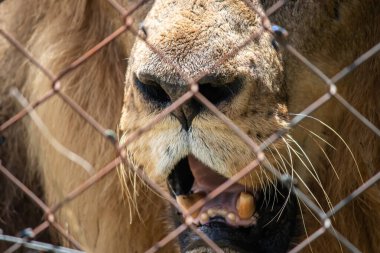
x: 257, y: 149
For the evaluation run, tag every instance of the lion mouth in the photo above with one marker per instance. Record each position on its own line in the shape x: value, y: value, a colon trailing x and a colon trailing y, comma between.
x: 235, y: 206
x: 239, y: 219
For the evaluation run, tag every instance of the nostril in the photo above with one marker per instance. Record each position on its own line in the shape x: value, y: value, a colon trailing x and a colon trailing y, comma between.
x: 152, y: 92
x: 218, y: 93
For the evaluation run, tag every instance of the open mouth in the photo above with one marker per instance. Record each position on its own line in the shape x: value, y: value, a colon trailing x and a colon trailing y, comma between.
x: 239, y: 219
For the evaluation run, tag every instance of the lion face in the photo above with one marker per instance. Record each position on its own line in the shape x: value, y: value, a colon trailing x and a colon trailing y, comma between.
x: 192, y: 149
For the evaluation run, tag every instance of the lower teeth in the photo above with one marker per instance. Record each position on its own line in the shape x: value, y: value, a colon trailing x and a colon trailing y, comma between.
x: 245, y: 207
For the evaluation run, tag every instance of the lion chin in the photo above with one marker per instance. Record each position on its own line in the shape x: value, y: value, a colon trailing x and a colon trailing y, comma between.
x: 248, y: 72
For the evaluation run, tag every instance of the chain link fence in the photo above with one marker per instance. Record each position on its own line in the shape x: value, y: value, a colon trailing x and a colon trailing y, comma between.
x: 26, y: 239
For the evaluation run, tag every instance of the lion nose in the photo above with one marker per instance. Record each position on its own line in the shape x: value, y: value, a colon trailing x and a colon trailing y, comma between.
x: 216, y: 89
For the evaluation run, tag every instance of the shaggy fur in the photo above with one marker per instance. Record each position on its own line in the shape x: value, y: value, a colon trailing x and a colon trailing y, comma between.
x: 192, y: 34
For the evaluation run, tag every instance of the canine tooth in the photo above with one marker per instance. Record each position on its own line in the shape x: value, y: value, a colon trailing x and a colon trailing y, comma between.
x: 245, y: 205
x: 187, y: 201
x: 204, y: 218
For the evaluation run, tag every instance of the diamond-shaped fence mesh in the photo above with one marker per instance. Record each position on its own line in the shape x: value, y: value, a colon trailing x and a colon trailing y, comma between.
x: 27, y: 239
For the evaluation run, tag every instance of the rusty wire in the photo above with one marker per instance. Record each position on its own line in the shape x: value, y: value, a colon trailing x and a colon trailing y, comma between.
x: 193, y: 92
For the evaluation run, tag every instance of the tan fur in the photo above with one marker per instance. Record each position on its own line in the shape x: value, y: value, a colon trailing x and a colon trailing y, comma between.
x: 193, y: 34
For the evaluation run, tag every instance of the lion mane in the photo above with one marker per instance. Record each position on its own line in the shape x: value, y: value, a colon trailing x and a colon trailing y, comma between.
x: 333, y: 152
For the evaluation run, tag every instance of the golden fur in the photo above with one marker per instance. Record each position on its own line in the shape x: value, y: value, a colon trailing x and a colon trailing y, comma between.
x: 192, y: 34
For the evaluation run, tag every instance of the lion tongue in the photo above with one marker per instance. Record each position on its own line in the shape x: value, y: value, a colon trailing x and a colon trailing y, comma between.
x: 206, y: 179
x: 231, y: 204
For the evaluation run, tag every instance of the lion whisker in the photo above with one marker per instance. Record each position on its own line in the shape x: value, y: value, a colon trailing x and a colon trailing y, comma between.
x: 283, y: 206
x: 264, y: 177
x: 308, y: 189
x: 129, y: 178
x: 300, y: 179
x: 291, y: 165
x: 314, y: 175
x: 279, y: 213
x: 339, y: 136
x: 312, y: 170
x: 318, y: 136
x: 327, y: 158
x: 320, y: 147
x: 126, y: 191
x: 281, y: 165
x: 316, y: 218
x: 304, y: 224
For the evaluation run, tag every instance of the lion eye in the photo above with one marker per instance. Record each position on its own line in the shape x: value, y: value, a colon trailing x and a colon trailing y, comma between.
x: 153, y: 93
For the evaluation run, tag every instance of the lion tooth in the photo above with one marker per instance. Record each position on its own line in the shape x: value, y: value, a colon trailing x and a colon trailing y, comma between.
x: 204, y: 218
x: 231, y: 217
x: 222, y: 212
x: 211, y: 212
x: 245, y: 205
x: 187, y: 201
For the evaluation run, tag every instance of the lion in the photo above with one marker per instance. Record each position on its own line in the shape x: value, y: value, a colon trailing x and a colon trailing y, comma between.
x: 191, y: 151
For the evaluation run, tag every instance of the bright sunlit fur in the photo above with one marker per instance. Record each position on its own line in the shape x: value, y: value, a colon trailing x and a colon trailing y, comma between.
x: 330, y: 153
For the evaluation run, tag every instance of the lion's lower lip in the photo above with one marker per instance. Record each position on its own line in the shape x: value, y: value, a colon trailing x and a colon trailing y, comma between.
x: 227, y: 238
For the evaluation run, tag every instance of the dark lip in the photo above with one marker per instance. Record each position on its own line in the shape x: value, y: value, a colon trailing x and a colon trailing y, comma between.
x: 224, y: 236
x: 272, y: 233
